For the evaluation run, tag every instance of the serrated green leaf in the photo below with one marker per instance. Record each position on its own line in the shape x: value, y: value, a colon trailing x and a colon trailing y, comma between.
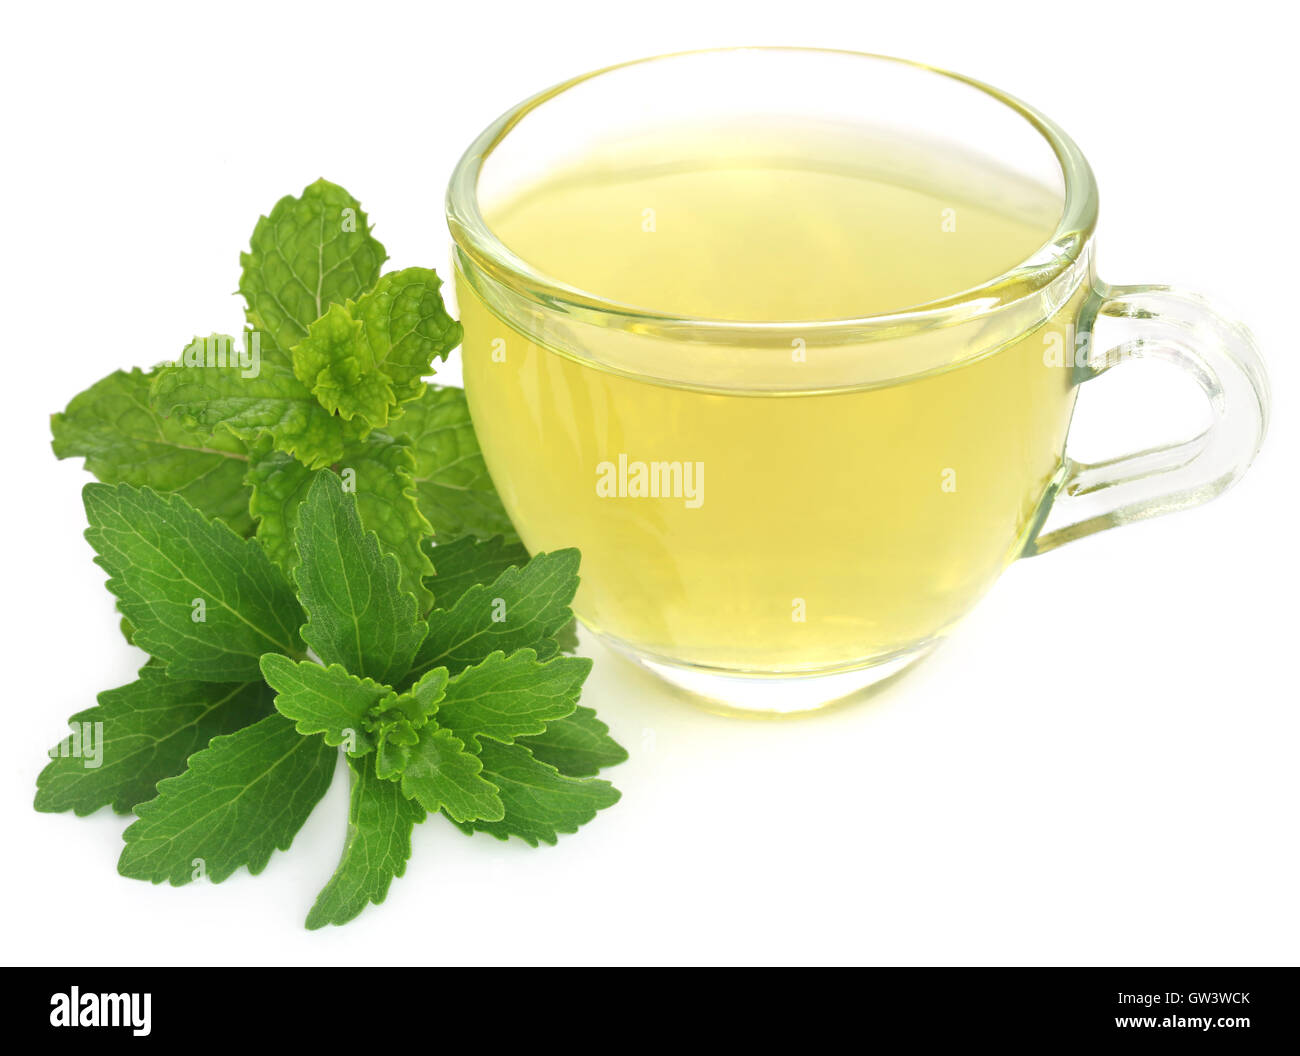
x: 396, y: 721
x: 273, y: 403
x: 578, y: 745
x: 505, y: 697
x: 278, y: 483
x: 378, y: 844
x: 358, y: 615
x: 466, y: 561
x: 308, y: 253
x: 242, y: 797
x: 362, y: 358
x: 141, y: 733
x: 163, y: 558
x: 325, y: 700
x: 522, y: 608
x: 540, y: 802
x: 455, y: 491
x: 330, y: 361
x: 406, y: 327
x: 440, y: 774
x: 125, y: 441
x: 380, y: 469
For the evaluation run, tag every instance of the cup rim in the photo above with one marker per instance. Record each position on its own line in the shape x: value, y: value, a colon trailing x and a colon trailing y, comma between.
x: 1055, y: 258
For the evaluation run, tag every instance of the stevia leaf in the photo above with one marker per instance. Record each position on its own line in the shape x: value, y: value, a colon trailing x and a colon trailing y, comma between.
x: 125, y: 441
x: 466, y: 561
x: 378, y: 844
x: 440, y: 774
x: 199, y: 598
x: 521, y: 608
x: 324, y: 700
x: 273, y: 403
x: 540, y: 802
x: 149, y: 729
x: 505, y: 697
x: 357, y: 613
x: 397, y: 720
x: 245, y: 795
x: 455, y: 491
x: 578, y: 745
x: 308, y: 253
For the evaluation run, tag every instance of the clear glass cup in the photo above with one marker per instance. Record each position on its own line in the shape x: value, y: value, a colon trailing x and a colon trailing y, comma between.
x: 840, y: 445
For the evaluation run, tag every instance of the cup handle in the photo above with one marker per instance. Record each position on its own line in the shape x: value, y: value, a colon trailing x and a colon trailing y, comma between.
x: 1156, y: 322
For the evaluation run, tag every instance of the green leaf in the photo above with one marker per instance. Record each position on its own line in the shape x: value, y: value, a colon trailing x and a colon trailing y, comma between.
x: 149, y: 728
x: 200, y: 598
x: 521, y: 608
x: 396, y: 721
x: 330, y: 361
x: 451, y: 479
x: 325, y: 700
x: 406, y: 328
x: 466, y: 561
x: 358, y: 616
x: 362, y: 358
x: 577, y: 745
x: 310, y: 252
x: 278, y: 483
x: 378, y: 844
x: 440, y: 774
x: 540, y: 802
x: 125, y: 441
x: 506, y: 697
x: 381, y: 469
x: 242, y: 797
x: 274, y: 403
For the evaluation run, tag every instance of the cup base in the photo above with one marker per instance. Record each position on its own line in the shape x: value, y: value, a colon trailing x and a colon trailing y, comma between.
x: 757, y: 694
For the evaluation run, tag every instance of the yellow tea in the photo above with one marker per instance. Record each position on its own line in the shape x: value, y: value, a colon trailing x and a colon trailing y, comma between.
x: 775, y: 529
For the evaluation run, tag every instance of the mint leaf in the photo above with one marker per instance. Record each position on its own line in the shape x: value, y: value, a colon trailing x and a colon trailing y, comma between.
x: 242, y: 797
x: 378, y: 844
x: 219, y: 401
x: 406, y: 328
x: 577, y: 745
x: 358, y: 616
x: 521, y: 608
x: 125, y: 441
x: 466, y: 561
x: 440, y: 774
x: 362, y: 358
x: 278, y: 483
x: 331, y: 361
x: 380, y: 469
x: 325, y: 700
x: 149, y: 728
x: 540, y: 802
x: 506, y: 697
x: 451, y: 479
x: 200, y: 598
x: 310, y: 252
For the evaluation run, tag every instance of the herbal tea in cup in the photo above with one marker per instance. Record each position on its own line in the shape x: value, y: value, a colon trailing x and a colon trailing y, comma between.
x: 787, y: 343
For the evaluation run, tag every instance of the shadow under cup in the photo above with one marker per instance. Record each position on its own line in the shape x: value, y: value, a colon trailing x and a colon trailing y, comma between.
x: 787, y: 342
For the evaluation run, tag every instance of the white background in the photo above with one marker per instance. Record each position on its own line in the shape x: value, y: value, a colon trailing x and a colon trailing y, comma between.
x: 1100, y: 767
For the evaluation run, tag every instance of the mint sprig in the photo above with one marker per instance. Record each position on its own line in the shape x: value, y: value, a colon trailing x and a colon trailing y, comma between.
x: 314, y: 556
